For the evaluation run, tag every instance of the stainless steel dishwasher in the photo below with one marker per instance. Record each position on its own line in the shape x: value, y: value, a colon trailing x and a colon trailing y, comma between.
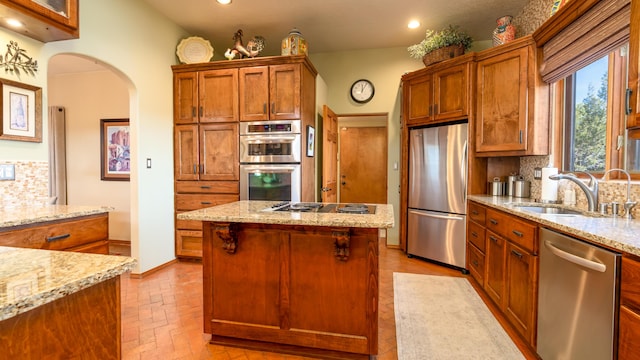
x: 577, y: 299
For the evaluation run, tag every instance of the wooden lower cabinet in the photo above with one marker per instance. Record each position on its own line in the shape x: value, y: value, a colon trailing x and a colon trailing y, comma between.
x: 88, y: 234
x: 293, y: 286
x: 629, y: 323
x: 510, y: 263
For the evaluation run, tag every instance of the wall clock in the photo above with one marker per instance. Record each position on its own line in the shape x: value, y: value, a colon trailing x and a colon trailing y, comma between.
x: 362, y: 91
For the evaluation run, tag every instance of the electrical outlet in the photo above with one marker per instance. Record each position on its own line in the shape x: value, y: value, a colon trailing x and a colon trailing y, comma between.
x: 7, y: 172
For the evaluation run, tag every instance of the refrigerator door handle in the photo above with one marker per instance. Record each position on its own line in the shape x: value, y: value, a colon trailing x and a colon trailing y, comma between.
x: 464, y: 169
x: 436, y: 215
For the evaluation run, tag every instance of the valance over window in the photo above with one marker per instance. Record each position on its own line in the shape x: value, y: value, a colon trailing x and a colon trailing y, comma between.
x: 596, y: 33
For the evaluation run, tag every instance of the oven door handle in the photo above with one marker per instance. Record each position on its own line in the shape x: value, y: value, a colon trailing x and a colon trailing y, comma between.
x: 271, y: 170
x: 268, y: 139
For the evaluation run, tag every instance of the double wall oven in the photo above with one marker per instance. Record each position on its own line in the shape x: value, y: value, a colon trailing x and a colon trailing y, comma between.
x: 270, y: 154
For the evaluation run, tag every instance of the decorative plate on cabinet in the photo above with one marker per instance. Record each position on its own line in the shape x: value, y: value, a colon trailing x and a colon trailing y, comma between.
x: 194, y: 50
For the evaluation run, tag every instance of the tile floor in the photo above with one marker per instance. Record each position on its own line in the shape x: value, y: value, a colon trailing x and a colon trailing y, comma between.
x: 162, y: 318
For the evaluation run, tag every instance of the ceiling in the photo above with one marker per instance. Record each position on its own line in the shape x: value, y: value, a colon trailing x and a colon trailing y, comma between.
x: 333, y: 25
x: 327, y: 25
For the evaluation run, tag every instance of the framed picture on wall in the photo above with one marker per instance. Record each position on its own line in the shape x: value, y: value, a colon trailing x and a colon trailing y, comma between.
x: 311, y: 140
x: 115, y: 150
x: 21, y: 117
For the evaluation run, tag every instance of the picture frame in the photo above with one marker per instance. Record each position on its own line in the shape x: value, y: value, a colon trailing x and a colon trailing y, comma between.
x: 115, y: 155
x: 311, y: 140
x: 21, y: 114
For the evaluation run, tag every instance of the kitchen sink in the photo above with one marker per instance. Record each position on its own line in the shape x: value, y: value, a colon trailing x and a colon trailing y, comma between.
x: 549, y: 210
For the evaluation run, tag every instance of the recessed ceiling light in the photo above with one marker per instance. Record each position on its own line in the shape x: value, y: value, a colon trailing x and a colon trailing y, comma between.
x: 224, y: 2
x: 413, y: 24
x: 14, y: 23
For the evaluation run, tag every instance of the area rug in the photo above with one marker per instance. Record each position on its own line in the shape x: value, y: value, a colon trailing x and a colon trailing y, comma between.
x: 442, y: 317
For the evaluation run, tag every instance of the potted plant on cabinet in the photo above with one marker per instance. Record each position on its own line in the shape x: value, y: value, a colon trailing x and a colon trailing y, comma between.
x: 441, y: 45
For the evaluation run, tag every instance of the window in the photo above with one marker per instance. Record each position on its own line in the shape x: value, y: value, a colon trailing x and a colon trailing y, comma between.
x: 592, y: 129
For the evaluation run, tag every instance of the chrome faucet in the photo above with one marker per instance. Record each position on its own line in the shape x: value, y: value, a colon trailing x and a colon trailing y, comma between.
x: 628, y: 204
x: 590, y: 190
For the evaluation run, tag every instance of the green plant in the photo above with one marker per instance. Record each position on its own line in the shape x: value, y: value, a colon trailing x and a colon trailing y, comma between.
x: 433, y: 40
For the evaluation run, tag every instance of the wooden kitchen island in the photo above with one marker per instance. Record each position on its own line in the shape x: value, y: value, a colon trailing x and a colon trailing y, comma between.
x: 292, y: 282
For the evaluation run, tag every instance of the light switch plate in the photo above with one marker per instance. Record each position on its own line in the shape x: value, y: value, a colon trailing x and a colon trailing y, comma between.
x: 537, y: 173
x: 7, y: 172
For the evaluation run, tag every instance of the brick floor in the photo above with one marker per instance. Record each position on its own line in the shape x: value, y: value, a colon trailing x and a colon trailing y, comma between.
x: 162, y: 313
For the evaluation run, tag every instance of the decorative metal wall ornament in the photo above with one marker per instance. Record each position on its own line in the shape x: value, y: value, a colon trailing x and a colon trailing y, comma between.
x: 16, y: 59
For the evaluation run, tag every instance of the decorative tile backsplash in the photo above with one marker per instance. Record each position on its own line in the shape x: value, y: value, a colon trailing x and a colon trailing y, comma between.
x: 31, y: 183
x: 611, y: 190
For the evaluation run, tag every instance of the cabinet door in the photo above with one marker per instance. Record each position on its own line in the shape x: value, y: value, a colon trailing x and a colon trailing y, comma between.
x: 185, y: 152
x: 633, y: 120
x: 629, y: 334
x: 284, y: 91
x: 218, y: 95
x: 494, y: 279
x: 219, y: 152
x: 450, y: 93
x: 521, y: 294
x: 501, y: 118
x: 62, y: 12
x: 254, y: 93
x: 419, y: 97
x: 185, y: 98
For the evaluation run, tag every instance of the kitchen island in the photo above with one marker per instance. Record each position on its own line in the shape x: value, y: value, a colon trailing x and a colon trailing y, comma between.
x: 295, y: 282
x: 58, y: 304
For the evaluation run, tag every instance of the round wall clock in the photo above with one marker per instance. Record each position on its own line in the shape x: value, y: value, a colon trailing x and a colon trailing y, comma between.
x: 362, y: 91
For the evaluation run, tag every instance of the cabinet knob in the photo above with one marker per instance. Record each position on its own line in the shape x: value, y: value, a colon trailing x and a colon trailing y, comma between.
x: 518, y: 233
x: 264, y: 108
x: 516, y: 253
x: 273, y: 108
x: 493, y: 221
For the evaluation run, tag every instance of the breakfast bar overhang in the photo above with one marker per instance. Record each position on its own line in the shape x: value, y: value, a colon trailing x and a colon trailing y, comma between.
x: 292, y: 281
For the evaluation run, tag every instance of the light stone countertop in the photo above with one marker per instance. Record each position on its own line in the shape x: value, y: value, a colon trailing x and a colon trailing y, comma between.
x: 30, y: 278
x: 249, y: 211
x: 613, y: 232
x: 24, y: 215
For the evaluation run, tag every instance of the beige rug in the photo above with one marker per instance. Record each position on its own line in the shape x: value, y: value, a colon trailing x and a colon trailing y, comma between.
x: 442, y: 317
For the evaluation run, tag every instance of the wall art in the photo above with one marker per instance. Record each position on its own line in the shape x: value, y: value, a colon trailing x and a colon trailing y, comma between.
x: 21, y: 117
x: 115, y: 156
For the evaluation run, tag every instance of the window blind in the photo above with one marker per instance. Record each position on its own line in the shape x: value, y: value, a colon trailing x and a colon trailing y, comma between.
x: 600, y: 30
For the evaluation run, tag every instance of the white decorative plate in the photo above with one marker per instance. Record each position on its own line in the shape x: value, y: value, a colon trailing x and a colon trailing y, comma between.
x: 194, y: 50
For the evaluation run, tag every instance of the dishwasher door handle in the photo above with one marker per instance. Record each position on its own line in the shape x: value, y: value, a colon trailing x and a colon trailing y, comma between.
x: 575, y: 259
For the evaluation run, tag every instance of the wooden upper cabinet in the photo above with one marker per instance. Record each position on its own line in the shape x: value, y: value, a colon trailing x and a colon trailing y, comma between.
x: 57, y: 21
x: 185, y: 98
x: 218, y: 95
x: 254, y: 93
x: 633, y: 119
x: 270, y: 92
x: 450, y: 92
x: 512, y: 112
x: 418, y: 100
x: 437, y: 93
x: 185, y: 152
x: 205, y: 96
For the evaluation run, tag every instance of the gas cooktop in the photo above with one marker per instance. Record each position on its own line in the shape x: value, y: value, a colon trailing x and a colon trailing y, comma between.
x: 324, y: 208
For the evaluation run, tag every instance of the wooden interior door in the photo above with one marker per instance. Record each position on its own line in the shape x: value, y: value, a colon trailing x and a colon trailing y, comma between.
x: 363, y: 165
x: 329, y: 188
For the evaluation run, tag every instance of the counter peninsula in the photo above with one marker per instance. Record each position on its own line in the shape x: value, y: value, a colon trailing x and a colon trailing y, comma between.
x: 294, y: 282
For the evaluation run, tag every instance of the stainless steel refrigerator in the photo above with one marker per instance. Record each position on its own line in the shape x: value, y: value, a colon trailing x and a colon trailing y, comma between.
x: 438, y: 193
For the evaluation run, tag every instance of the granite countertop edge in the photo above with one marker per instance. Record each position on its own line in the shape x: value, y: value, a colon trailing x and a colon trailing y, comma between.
x: 26, y: 215
x: 613, y: 232
x: 246, y: 211
x: 23, y: 305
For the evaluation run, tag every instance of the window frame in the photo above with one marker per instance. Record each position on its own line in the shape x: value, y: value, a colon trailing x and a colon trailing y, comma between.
x: 616, y: 118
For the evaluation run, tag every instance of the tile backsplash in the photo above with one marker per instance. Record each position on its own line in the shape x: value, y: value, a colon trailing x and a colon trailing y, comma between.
x: 31, y: 183
x: 611, y: 190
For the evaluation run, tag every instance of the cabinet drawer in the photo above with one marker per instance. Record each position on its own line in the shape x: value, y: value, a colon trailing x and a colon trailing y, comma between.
x: 189, y: 225
x: 97, y: 247
x: 476, y: 263
x: 513, y: 229
x: 629, y: 334
x: 59, y: 235
x: 189, y: 243
x: 197, y: 201
x: 477, y: 213
x: 208, y: 187
x: 630, y: 283
x: 475, y: 235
